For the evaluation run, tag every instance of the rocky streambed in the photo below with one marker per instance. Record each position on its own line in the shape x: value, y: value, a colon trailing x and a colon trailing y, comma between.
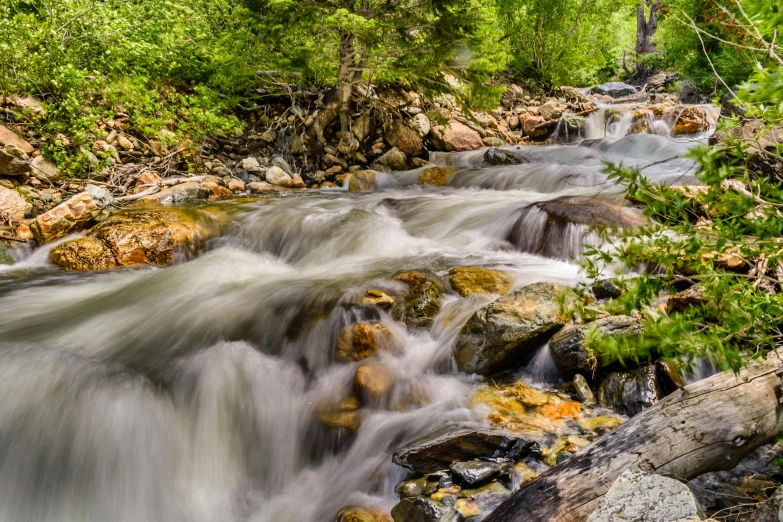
x: 391, y: 349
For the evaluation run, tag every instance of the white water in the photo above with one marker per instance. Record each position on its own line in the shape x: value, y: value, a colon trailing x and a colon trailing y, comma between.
x: 189, y: 393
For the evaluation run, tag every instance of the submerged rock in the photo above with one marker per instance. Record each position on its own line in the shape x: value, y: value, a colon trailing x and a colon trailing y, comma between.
x: 342, y: 414
x: 362, y: 181
x: 422, y: 302
x: 614, y: 89
x: 469, y: 280
x: 135, y: 238
x: 593, y: 212
x: 495, y: 156
x: 572, y: 356
x: 501, y: 335
x: 636, y: 497
x: 630, y: 392
x: 373, y: 381
x: 436, y: 176
x: 359, y: 341
x: 440, y: 449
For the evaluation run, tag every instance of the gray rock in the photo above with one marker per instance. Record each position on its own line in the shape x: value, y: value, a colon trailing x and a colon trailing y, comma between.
x: 394, y: 159
x: 503, y: 334
x: 614, y: 89
x: 420, y: 124
x: 630, y: 392
x: 475, y: 472
x: 495, y: 156
x: 44, y: 169
x: 440, y: 449
x: 606, y: 289
x: 571, y: 355
x: 278, y: 161
x: 181, y: 193
x: 636, y: 497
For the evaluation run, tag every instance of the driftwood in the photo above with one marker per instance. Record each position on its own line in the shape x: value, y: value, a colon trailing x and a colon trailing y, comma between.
x: 157, y: 187
x: 707, y: 426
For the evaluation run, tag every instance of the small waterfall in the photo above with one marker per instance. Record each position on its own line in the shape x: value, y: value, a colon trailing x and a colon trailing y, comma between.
x: 541, y: 368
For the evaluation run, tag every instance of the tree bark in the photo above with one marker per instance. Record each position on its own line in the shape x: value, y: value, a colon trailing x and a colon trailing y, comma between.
x: 707, y: 426
x: 345, y: 79
x: 645, y: 31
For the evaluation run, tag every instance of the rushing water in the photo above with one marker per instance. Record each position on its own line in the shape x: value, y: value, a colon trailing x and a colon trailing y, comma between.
x: 189, y: 393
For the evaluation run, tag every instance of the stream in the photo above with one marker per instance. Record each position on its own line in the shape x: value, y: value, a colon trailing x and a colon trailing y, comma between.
x: 190, y: 393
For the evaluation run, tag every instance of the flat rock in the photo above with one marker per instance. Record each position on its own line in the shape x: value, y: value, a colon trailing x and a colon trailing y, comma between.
x: 614, y: 89
x: 469, y: 280
x: 440, y: 449
x: 436, y: 176
x: 182, y: 193
x: 475, y: 472
x: 496, y: 156
x: 636, y: 497
x: 503, y: 334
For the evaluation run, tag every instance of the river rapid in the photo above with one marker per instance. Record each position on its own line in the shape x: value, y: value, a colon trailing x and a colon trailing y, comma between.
x: 189, y: 393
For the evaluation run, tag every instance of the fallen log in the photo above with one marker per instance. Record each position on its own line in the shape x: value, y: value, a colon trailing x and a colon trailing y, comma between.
x: 707, y: 426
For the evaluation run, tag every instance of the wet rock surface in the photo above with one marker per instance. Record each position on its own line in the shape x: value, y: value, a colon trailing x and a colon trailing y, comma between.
x: 130, y: 239
x: 630, y: 392
x: 422, y: 302
x: 501, y: 335
x: 476, y: 280
x: 440, y: 449
x: 569, y: 349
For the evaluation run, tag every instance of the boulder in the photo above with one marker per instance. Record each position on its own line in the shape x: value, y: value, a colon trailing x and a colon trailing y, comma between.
x: 691, y: 120
x: 440, y: 449
x: 503, y: 334
x: 341, y: 414
x: 592, y: 211
x: 280, y: 162
x: 637, y: 497
x: 67, y: 217
x: 393, y: 159
x: 402, y: 137
x: 469, y: 280
x: 422, y: 302
x: 475, y: 472
x: 420, y: 124
x: 146, y: 180
x: 8, y: 137
x: 278, y: 177
x: 570, y: 353
x: 130, y: 239
x: 251, y: 165
x: 552, y: 110
x: 495, y: 156
x: 359, y: 341
x: 630, y: 392
x: 11, y: 164
x: 422, y: 509
x: 362, y: 514
x: 530, y: 125
x: 455, y: 136
x: 614, y: 89
x: 13, y: 206
x: 184, y: 192
x: 362, y: 181
x: 373, y: 381
x: 83, y: 254
x: 44, y: 169
x: 436, y: 176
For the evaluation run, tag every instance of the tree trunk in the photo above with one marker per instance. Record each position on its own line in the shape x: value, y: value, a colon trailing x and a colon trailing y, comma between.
x: 707, y: 426
x: 645, y: 31
x: 345, y: 79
